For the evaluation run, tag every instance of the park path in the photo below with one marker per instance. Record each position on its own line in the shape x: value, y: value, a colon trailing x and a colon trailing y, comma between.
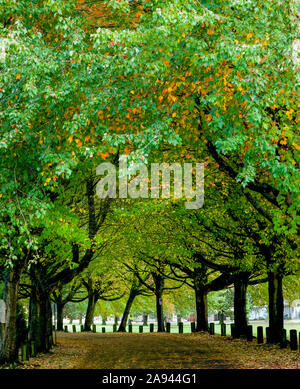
x: 161, y: 351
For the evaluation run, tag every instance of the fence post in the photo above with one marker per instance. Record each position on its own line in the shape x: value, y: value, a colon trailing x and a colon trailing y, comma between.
x: 66, y: 328
x: 249, y: 333
x: 180, y: 328
x: 168, y: 326
x: 283, y: 342
x: 141, y: 328
x: 260, y: 334
x: 223, y: 329
x: 103, y: 330
x: 268, y: 334
x: 130, y: 328
x: 293, y: 340
x: 212, y: 328
x: 81, y: 328
x: 193, y: 326
x: 94, y: 328
x: 151, y: 327
x: 74, y: 327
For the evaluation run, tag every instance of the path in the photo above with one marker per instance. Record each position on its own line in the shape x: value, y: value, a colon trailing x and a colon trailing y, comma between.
x: 161, y: 351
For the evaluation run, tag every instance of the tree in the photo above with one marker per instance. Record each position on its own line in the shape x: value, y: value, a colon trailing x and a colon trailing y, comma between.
x: 136, y: 289
x: 101, y: 283
x: 62, y: 296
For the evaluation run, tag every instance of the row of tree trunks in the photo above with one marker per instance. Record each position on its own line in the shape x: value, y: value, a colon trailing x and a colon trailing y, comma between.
x: 40, y: 317
x: 240, y: 306
x: 276, y: 323
x: 240, y: 313
x: 240, y: 310
x: 40, y: 312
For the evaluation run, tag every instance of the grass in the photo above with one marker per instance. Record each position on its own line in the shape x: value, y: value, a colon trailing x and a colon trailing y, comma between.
x: 187, y: 328
x: 288, y: 326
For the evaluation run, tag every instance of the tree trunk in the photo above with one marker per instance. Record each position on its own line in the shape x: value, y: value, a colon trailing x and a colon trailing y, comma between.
x: 159, y: 312
x: 60, y: 317
x: 276, y: 306
x: 89, y: 317
x: 201, y: 309
x: 159, y: 282
x: 200, y: 280
x: 132, y: 295
x: 9, y: 350
x: 145, y: 319
x: 40, y: 325
x: 240, y: 301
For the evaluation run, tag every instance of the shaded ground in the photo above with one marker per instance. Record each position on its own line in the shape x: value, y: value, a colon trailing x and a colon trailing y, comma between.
x: 161, y: 351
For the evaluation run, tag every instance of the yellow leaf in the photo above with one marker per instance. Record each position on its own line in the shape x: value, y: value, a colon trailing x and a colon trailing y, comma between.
x: 78, y: 142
